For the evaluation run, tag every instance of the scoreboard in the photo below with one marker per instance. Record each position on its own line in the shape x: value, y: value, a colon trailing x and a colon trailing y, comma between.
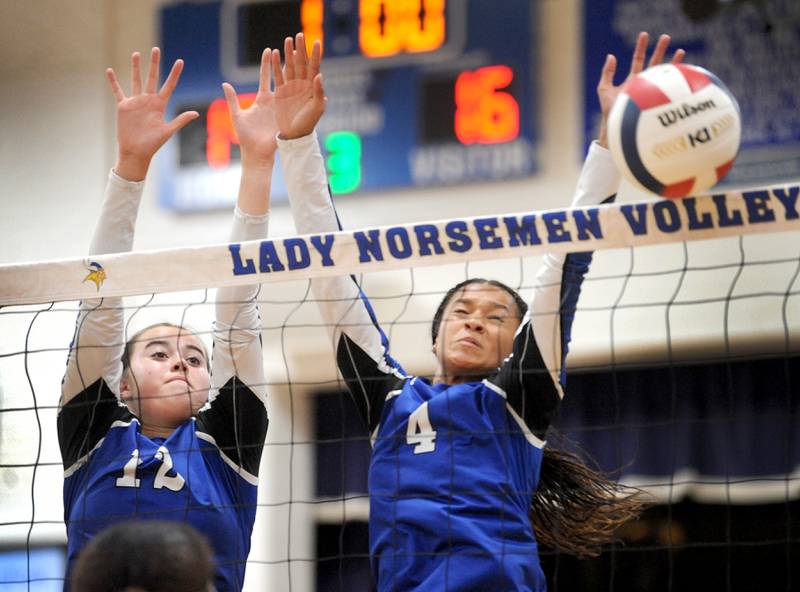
x: 421, y: 92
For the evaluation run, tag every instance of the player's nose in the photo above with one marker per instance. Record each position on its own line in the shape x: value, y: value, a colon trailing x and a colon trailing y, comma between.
x: 179, y: 363
x: 475, y: 323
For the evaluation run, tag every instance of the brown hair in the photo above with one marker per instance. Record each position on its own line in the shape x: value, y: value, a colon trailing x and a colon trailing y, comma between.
x: 576, y: 509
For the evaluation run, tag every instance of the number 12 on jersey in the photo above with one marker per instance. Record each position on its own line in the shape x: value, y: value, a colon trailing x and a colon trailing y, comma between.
x: 420, y: 432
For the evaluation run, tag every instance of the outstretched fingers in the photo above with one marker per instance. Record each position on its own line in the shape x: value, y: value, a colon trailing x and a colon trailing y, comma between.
x: 265, y: 73
x: 659, y: 51
x: 172, y: 80
x: 136, y: 74
x: 678, y: 56
x: 276, y: 68
x: 231, y: 98
x: 152, y: 72
x: 114, y: 84
x: 288, y: 59
x: 639, y: 52
x: 180, y: 121
x: 316, y: 58
x: 300, y: 57
x: 607, y: 74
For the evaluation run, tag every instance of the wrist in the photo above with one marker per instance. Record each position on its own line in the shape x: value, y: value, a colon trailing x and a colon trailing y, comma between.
x: 132, y: 168
x: 257, y: 162
x: 296, y: 135
x: 602, y: 137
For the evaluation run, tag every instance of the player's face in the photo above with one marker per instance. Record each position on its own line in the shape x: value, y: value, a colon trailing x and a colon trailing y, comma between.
x: 168, y: 380
x: 476, y: 332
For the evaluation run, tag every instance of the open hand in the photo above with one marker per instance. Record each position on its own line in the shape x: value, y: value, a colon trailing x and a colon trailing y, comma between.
x: 299, y: 94
x: 607, y: 92
x: 141, y: 129
x: 255, y: 125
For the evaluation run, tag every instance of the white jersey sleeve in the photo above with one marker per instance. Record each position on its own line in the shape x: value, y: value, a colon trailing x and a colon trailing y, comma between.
x: 98, y: 343
x: 533, y: 377
x: 237, y: 329
x: 361, y: 347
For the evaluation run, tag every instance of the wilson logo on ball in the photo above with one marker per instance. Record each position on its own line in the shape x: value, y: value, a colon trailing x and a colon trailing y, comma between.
x: 675, y: 130
x: 673, y: 115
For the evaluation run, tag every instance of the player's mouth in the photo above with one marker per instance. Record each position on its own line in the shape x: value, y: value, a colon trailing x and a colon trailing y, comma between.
x: 182, y: 379
x: 471, y: 342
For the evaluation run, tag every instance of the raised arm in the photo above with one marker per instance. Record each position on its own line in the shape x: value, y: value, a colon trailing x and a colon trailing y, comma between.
x: 361, y: 347
x: 534, y: 377
x: 237, y: 341
x: 98, y: 342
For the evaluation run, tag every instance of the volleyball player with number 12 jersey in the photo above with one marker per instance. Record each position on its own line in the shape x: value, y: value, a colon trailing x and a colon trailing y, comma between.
x: 150, y: 429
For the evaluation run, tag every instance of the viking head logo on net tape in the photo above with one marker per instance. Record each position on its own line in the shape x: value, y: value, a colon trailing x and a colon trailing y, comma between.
x: 97, y: 274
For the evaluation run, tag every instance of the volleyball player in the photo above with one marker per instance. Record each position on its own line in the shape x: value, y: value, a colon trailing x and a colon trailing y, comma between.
x: 459, y: 467
x: 154, y: 428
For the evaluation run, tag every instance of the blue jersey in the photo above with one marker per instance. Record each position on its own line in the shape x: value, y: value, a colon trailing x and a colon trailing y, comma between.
x: 202, y: 474
x: 449, y: 503
x: 454, y: 468
x: 205, y: 472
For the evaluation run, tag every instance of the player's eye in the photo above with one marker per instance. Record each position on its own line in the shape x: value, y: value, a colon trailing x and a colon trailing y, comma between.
x: 159, y: 355
x: 496, y: 318
x: 194, y: 361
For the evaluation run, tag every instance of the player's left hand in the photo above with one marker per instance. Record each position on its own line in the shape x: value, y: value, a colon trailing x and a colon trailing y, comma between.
x: 255, y: 125
x: 299, y: 94
x: 607, y: 92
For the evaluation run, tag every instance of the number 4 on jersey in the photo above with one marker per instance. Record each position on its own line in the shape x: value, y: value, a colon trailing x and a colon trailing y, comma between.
x: 420, y: 433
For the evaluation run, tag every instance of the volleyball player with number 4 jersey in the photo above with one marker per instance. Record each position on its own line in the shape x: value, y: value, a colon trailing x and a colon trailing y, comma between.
x: 152, y: 429
x: 461, y: 485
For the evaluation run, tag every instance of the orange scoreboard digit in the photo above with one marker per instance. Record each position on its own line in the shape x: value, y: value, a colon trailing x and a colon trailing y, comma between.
x: 421, y: 92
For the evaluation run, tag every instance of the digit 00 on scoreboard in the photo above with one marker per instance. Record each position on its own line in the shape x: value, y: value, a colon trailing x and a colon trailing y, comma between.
x: 421, y: 92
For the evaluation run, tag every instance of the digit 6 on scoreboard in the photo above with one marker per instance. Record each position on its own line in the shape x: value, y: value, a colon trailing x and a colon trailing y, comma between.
x: 484, y: 113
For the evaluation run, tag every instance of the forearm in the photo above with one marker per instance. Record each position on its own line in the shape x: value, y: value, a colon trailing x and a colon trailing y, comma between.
x: 312, y: 208
x: 236, y: 305
x: 599, y: 178
x: 342, y: 305
x: 558, y: 283
x: 307, y: 183
x: 598, y: 183
x: 237, y: 343
x: 254, y: 185
x: 97, y: 345
x: 115, y: 227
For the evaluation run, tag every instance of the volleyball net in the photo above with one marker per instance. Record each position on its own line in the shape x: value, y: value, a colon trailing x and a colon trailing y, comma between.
x: 683, y: 375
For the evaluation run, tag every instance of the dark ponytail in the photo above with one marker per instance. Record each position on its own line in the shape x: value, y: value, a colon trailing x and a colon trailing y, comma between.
x: 577, y: 509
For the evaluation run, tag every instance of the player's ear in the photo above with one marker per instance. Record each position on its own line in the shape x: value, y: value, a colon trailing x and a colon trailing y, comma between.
x: 126, y: 386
